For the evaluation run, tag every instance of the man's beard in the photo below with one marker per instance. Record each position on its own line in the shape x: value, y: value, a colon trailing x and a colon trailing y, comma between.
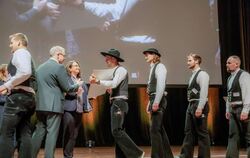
x: 191, y: 67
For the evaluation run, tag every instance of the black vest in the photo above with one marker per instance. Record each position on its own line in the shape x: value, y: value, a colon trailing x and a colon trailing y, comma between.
x: 31, y: 81
x: 122, y: 88
x: 193, y: 90
x: 151, y: 87
x: 234, y: 93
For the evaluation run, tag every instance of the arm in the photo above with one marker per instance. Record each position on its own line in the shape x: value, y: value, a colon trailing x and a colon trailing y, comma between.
x: 203, y: 81
x: 63, y: 78
x: 245, y: 90
x: 33, y: 9
x: 71, y: 94
x: 227, y: 109
x: 161, y: 75
x: 22, y: 61
x: 120, y: 75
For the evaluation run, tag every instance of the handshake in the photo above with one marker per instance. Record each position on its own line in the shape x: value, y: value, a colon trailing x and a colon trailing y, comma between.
x: 93, y: 79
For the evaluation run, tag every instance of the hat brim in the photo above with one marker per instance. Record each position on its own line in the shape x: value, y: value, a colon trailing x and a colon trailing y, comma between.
x: 118, y: 59
x: 151, y: 52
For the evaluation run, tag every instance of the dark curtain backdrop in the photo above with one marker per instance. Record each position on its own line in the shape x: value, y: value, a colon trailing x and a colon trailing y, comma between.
x: 234, y: 34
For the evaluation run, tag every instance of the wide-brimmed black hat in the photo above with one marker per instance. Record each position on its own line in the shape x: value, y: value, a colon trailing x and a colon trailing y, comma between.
x: 114, y: 53
x: 152, y: 51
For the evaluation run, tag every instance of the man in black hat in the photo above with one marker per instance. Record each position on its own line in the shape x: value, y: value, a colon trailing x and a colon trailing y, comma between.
x: 118, y: 89
x: 160, y: 147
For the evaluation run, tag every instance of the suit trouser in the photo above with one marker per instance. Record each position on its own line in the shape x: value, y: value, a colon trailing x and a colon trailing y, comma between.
x: 18, y: 109
x: 237, y: 128
x: 160, y: 146
x: 72, y: 121
x: 48, y: 125
x: 125, y: 147
x: 196, y: 126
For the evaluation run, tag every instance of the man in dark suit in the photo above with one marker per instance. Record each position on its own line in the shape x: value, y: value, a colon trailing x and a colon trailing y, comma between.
x: 52, y: 81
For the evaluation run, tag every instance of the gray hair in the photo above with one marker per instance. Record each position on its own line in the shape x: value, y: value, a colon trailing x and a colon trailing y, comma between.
x: 56, y: 50
x: 236, y: 58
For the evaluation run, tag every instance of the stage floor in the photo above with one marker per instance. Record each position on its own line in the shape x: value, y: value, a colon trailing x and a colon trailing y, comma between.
x: 108, y: 152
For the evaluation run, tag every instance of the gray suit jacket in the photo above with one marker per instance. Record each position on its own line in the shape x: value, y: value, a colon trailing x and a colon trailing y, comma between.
x: 52, y: 81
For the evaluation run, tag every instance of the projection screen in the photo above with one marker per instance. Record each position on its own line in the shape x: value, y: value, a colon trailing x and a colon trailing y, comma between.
x: 175, y: 27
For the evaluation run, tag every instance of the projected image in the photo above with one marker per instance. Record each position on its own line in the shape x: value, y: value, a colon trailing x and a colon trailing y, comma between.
x: 86, y: 27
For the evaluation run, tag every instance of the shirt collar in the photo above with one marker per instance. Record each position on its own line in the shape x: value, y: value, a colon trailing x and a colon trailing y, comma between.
x: 153, y: 64
x: 235, y: 72
x: 54, y: 59
x: 196, y: 70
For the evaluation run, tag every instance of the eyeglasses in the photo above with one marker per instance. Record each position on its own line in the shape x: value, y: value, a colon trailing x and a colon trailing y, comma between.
x: 61, y: 54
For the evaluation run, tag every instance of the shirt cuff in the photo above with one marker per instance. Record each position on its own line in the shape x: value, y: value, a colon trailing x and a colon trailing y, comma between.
x: 246, y: 108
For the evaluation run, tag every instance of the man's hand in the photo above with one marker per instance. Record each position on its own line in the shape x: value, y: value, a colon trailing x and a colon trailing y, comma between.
x: 155, y: 107
x: 109, y: 90
x: 53, y: 10
x: 79, y: 82
x: 243, y: 116
x: 93, y: 79
x: 227, y: 115
x: 198, y: 112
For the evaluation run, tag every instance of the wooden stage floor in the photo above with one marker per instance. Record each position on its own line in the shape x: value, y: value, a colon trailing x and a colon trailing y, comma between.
x: 108, y: 152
